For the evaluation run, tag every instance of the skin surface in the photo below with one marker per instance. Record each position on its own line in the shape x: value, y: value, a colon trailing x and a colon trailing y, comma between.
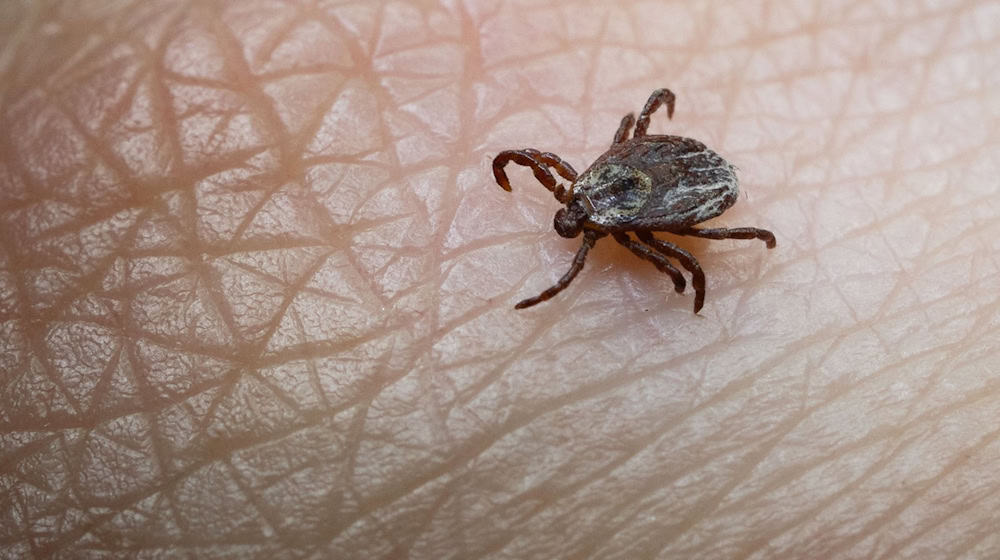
x: 256, y: 283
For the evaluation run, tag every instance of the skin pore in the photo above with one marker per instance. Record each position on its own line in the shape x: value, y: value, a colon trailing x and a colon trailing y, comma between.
x: 257, y: 283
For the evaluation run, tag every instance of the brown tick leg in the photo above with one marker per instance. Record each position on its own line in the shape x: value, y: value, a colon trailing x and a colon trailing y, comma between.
x: 623, y: 129
x: 733, y: 233
x: 686, y: 259
x: 526, y: 158
x: 564, y: 169
x: 589, y: 238
x: 658, y: 260
x: 658, y: 97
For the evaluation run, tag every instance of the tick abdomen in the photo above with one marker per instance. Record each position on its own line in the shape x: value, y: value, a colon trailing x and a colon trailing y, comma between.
x: 670, y: 180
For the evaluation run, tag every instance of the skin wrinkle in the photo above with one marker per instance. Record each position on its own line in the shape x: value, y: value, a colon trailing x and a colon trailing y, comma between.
x: 271, y: 234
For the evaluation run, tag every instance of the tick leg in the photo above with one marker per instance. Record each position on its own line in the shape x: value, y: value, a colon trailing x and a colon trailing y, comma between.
x: 658, y: 260
x: 686, y: 259
x: 529, y: 158
x: 733, y: 233
x: 623, y: 129
x: 562, y: 167
x: 525, y: 158
x: 658, y: 97
x: 589, y: 238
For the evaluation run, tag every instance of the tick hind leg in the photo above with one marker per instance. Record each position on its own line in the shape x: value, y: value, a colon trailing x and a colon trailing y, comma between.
x: 658, y: 260
x: 589, y: 238
x: 733, y: 233
x: 686, y: 259
x: 539, y: 162
x: 659, y: 97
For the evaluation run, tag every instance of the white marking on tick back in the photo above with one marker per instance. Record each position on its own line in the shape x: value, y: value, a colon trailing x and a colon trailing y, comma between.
x: 698, y: 202
x: 693, y: 154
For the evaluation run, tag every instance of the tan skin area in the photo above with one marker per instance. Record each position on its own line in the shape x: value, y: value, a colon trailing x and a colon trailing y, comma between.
x: 257, y: 283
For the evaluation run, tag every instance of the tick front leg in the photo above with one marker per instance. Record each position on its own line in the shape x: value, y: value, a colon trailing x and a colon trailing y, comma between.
x: 589, y: 238
x: 563, y: 168
x: 659, y: 97
x: 538, y: 162
x: 658, y: 260
x: 733, y: 233
x: 525, y: 158
x: 623, y: 129
x: 686, y: 259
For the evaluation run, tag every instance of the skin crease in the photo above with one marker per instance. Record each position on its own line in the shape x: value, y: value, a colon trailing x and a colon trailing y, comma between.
x: 257, y: 283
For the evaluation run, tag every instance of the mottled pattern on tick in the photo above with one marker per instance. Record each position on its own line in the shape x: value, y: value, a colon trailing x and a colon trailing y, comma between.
x: 693, y: 184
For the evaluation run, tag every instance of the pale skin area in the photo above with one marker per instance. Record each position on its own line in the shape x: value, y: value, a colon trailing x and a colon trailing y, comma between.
x: 257, y: 283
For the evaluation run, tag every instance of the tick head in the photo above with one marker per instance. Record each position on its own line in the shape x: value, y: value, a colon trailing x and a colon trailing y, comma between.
x: 569, y: 220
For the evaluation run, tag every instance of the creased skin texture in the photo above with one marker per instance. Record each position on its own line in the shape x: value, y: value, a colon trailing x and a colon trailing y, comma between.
x: 256, y: 283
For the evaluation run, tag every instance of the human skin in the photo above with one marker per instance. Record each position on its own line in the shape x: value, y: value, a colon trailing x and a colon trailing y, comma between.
x: 257, y: 283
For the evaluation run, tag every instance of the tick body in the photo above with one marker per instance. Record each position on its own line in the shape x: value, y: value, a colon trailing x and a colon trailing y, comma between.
x: 641, y: 185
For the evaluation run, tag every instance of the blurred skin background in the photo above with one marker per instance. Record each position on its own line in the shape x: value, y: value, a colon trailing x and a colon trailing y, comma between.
x: 256, y: 283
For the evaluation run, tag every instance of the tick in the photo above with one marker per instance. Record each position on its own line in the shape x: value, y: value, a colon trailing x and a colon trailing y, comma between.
x: 641, y: 185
